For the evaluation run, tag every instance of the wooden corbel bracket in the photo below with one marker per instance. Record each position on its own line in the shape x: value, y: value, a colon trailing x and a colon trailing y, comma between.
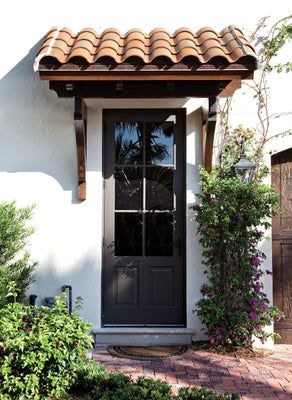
x: 80, y: 135
x: 209, y: 127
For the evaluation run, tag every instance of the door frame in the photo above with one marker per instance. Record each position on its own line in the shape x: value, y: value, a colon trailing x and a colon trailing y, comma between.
x: 181, y: 111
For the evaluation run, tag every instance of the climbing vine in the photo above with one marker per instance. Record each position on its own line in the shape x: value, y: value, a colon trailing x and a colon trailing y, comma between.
x: 268, y: 41
x: 232, y: 214
x: 231, y: 217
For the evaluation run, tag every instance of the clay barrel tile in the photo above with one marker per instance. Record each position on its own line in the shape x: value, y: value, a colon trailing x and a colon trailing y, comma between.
x: 160, y: 45
x: 134, y: 52
x: 186, y: 43
x: 205, y: 45
x: 109, y: 44
x: 84, y: 44
x: 82, y: 53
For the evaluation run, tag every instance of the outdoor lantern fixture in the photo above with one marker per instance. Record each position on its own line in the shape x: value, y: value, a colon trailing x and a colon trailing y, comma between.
x: 244, y: 168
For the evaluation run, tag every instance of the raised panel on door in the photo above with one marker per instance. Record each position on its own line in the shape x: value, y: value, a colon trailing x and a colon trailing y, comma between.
x: 144, y: 226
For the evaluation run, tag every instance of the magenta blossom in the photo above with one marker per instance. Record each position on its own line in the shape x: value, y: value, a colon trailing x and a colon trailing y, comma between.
x: 257, y: 288
x: 255, y: 261
x: 278, y: 318
x: 253, y: 316
x: 264, y: 307
x: 253, y: 303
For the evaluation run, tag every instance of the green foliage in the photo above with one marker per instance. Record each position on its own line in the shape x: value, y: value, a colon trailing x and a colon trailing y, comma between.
x: 96, y: 384
x: 15, y: 262
x: 40, y: 350
x: 280, y: 34
x: 233, y: 146
x: 204, y: 394
x: 120, y: 387
x: 89, y: 374
x: 229, y: 217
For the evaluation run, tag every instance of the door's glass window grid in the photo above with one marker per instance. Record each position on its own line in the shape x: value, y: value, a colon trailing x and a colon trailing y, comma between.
x: 144, y: 195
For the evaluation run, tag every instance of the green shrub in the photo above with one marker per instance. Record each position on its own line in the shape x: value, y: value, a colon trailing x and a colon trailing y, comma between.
x: 204, y: 394
x: 15, y: 262
x: 40, y: 350
x: 94, y: 383
x: 117, y: 386
x: 89, y: 374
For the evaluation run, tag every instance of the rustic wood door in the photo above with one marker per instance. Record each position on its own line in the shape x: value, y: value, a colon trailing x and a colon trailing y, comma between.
x: 282, y: 243
x: 144, y: 208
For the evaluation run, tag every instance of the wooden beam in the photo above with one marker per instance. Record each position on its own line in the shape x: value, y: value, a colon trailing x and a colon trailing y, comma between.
x: 140, y: 89
x: 157, y: 76
x: 209, y: 132
x: 230, y: 88
x: 80, y: 135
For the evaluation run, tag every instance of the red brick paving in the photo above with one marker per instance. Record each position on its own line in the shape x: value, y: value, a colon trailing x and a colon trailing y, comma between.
x: 255, y: 379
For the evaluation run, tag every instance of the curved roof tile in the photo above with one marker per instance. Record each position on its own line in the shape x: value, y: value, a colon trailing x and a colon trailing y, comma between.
x: 204, y: 45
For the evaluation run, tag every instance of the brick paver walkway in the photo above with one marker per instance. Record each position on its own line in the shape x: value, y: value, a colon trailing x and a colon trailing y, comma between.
x: 255, y: 379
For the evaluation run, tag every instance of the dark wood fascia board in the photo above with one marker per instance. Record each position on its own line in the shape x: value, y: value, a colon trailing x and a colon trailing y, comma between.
x: 209, y: 126
x: 141, y: 89
x: 157, y: 76
x: 80, y: 136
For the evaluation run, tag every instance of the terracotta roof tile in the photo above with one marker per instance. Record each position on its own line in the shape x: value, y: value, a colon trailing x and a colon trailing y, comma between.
x: 204, y: 46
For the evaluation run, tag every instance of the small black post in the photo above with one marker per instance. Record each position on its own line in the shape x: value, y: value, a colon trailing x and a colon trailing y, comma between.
x: 32, y: 299
x: 69, y: 287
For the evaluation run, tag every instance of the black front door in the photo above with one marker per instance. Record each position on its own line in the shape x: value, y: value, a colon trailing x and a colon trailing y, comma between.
x: 144, y: 206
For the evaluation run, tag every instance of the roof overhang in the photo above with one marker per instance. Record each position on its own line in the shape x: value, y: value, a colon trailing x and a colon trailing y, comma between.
x: 136, y: 64
x: 139, y: 65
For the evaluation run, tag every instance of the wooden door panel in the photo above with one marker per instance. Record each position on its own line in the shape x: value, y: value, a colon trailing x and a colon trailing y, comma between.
x: 282, y: 243
x: 162, y: 286
x: 144, y: 227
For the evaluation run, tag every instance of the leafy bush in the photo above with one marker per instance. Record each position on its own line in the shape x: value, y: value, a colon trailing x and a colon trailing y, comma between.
x: 119, y: 386
x: 40, y: 349
x: 89, y: 374
x: 15, y: 262
x: 96, y: 384
x: 234, y: 306
x: 204, y: 394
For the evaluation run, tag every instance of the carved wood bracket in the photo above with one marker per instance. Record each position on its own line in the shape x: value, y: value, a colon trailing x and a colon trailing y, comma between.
x: 209, y: 126
x: 80, y: 135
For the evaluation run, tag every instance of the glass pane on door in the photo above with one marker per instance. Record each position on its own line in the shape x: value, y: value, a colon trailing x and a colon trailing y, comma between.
x: 144, y: 188
x: 159, y: 234
x: 159, y: 188
x: 128, y: 188
x: 159, y: 143
x: 128, y: 141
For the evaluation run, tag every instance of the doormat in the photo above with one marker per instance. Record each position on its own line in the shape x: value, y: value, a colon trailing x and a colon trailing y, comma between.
x: 147, y: 352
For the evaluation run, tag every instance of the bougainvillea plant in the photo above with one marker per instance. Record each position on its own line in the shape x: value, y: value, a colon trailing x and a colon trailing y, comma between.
x: 231, y: 216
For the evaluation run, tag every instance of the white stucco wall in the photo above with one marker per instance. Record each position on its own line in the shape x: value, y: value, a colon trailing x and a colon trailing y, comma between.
x: 37, y: 142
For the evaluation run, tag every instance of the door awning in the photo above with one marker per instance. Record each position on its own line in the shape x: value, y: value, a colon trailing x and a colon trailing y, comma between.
x: 137, y: 64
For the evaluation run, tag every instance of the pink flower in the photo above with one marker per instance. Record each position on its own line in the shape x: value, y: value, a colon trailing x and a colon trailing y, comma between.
x: 255, y: 261
x: 278, y: 318
x: 253, y: 303
x: 257, y: 288
x: 253, y: 316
